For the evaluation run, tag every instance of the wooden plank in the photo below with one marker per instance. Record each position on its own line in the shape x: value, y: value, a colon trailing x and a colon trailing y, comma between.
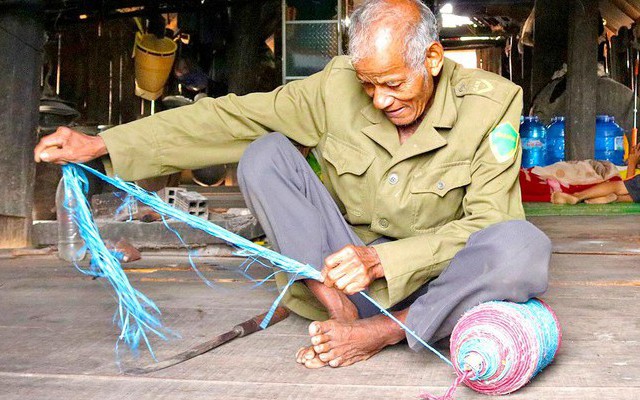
x: 47, y: 301
x: 105, y: 387
x: 588, y: 226
x: 591, y: 234
x: 629, y: 8
x: 88, y: 60
x: 590, y: 267
x: 581, y: 80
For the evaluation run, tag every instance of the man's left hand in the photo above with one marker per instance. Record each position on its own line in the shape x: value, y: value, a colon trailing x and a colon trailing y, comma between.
x: 352, y: 269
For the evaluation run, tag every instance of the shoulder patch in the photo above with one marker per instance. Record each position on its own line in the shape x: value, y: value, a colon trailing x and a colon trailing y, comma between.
x: 479, y: 86
x: 486, y: 85
x: 504, y: 142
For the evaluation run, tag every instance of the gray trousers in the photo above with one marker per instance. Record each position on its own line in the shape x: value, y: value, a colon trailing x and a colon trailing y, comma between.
x: 506, y: 261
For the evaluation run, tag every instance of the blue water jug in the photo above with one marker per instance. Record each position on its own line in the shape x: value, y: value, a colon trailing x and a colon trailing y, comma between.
x: 555, y: 141
x: 609, y: 140
x: 532, y: 136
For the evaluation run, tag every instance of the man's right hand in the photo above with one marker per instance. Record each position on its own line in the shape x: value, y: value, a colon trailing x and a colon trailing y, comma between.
x: 66, y: 145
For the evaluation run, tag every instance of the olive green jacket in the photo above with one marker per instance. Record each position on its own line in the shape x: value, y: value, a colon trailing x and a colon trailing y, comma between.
x: 448, y: 180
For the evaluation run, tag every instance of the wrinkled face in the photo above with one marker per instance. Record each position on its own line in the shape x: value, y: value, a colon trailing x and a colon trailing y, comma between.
x: 402, y: 93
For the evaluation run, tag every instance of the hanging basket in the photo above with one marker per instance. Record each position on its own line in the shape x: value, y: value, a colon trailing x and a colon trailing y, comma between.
x: 153, y: 61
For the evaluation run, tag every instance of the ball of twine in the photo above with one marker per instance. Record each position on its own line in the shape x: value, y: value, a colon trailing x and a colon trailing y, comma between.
x: 498, y: 347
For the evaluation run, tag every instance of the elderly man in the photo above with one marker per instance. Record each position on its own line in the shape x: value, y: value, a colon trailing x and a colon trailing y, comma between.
x: 419, y: 203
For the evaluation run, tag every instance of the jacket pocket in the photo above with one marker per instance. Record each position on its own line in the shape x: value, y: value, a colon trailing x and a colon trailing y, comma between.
x: 441, y: 180
x: 437, y: 195
x: 349, y: 179
x: 345, y: 157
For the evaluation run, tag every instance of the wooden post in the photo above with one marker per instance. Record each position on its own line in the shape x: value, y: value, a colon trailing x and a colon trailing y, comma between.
x: 582, y: 79
x: 550, y: 45
x: 21, y: 47
x: 243, y: 53
x: 251, y: 24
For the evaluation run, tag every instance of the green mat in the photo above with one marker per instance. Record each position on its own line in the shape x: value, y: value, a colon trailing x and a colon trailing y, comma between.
x: 550, y: 209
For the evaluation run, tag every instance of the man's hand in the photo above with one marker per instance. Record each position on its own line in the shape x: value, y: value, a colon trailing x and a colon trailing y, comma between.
x: 66, y: 145
x: 352, y: 269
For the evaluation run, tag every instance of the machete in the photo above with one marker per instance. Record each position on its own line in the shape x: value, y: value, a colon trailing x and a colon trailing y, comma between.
x: 244, y: 329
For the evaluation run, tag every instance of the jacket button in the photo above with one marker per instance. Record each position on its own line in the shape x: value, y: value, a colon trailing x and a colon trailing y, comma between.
x: 383, y: 223
x: 440, y: 185
x: 393, y: 178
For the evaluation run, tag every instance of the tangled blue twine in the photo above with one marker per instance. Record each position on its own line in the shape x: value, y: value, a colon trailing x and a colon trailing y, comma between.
x: 137, y: 314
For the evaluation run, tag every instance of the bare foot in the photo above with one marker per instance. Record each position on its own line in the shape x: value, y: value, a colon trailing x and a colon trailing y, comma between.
x: 610, y: 198
x: 340, y: 308
x: 563, y: 198
x: 340, y: 344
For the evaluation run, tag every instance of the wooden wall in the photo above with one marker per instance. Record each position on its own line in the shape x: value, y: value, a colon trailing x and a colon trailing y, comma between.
x: 97, y: 76
x: 97, y: 71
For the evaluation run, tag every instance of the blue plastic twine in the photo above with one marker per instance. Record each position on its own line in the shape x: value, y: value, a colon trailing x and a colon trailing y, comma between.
x: 137, y: 313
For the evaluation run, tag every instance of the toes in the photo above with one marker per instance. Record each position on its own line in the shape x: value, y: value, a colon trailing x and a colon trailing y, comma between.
x: 314, y: 363
x: 308, y: 357
x: 328, y: 356
x: 305, y: 354
x: 310, y: 354
x: 320, y: 339
x: 322, y: 348
x: 336, y: 362
x: 315, y: 328
x: 300, y: 355
x: 318, y: 328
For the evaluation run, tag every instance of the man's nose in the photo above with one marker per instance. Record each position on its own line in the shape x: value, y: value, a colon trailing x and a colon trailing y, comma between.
x: 381, y: 99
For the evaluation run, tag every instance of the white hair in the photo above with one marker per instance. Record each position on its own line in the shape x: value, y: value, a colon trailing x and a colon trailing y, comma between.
x: 419, y: 35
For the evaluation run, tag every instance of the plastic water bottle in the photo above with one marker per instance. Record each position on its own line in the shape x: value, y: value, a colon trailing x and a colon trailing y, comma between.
x: 609, y: 140
x: 70, y: 243
x: 555, y: 140
x: 533, y: 137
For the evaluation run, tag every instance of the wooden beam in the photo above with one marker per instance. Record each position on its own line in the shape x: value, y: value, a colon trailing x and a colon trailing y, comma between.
x: 628, y: 8
x: 582, y: 79
x: 21, y: 43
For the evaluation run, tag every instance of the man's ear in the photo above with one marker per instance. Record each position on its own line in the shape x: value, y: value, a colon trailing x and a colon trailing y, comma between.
x: 435, y: 58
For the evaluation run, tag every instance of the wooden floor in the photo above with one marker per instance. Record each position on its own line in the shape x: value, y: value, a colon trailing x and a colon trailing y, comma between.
x: 57, y: 340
